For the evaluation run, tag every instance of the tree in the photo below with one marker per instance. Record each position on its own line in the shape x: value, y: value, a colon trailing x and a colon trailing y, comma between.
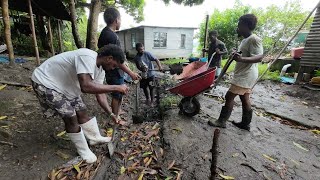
x: 6, y: 22
x: 73, y: 14
x: 276, y: 24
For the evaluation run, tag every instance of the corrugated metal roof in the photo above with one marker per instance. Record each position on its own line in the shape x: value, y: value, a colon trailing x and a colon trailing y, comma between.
x: 311, y: 54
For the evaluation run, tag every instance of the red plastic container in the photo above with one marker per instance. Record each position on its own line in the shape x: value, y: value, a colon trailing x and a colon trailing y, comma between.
x: 296, y: 53
x: 195, y: 84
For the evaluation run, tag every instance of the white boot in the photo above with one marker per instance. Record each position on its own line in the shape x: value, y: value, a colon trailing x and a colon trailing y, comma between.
x: 92, y: 133
x: 82, y: 146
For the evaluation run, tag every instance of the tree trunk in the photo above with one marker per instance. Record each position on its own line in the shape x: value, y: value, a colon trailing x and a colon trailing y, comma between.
x: 34, y: 33
x: 91, y: 41
x: 74, y: 25
x: 50, y: 35
x: 60, y: 37
x: 42, y: 33
x: 7, y: 31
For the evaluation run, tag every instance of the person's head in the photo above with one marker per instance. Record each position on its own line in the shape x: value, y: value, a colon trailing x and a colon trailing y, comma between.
x: 140, y: 48
x: 246, y: 24
x: 112, y: 17
x: 213, y: 35
x: 110, y: 56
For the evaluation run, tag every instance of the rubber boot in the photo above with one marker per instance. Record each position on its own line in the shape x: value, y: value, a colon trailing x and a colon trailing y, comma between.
x: 82, y: 147
x: 246, y: 120
x: 92, y: 133
x: 224, y: 116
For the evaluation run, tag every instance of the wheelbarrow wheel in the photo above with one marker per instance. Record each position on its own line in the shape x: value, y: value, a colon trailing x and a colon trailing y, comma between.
x: 189, y: 106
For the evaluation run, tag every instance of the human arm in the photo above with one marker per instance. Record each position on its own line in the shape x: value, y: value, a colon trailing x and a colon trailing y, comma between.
x: 127, y: 70
x: 88, y: 86
x: 103, y: 102
x: 159, y: 65
x: 222, y: 50
x: 253, y: 59
x: 255, y: 52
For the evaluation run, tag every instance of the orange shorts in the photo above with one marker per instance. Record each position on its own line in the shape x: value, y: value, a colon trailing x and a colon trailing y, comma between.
x: 239, y: 90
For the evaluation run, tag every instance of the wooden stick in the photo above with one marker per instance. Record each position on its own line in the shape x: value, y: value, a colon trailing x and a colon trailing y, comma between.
x: 34, y: 33
x: 285, y: 47
x: 215, y: 153
x: 205, y: 35
x: 59, y: 37
x: 7, y: 143
x: 15, y: 84
x: 50, y: 36
x: 7, y: 31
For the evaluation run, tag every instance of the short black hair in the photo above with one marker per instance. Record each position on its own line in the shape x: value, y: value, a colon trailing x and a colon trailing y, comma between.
x: 213, y: 32
x: 139, y: 45
x: 110, y: 15
x: 114, y: 51
x: 249, y: 20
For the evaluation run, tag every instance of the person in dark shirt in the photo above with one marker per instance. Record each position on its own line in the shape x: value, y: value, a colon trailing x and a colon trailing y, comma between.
x: 218, y: 47
x: 114, y: 77
x: 144, y: 63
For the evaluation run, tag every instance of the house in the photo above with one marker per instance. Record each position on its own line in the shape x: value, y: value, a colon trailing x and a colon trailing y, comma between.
x: 162, y: 42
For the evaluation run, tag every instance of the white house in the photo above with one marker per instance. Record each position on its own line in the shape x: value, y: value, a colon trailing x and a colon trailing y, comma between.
x: 162, y: 42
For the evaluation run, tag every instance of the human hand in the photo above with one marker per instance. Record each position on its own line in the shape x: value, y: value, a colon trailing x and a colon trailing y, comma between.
x: 123, y: 89
x: 218, y: 51
x: 204, y: 50
x: 237, y: 57
x: 135, y: 76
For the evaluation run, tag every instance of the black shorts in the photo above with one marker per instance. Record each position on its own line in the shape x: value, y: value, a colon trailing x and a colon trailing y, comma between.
x: 144, y: 83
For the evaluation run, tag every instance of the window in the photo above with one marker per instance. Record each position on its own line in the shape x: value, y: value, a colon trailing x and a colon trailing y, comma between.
x: 159, y: 39
x: 133, y: 40
x: 183, y: 41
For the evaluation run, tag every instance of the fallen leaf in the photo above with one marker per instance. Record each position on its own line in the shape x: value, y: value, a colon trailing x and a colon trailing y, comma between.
x: 295, y: 162
x: 155, y: 126
x: 305, y: 103
x: 168, y: 178
x: 2, y: 86
x: 122, y: 170
x: 62, y: 155
x: 235, y: 155
x: 131, y: 158
x: 123, y: 139
x: 109, y: 132
x: 226, y: 177
x: 179, y: 130
x: 145, y: 160
x: 141, y: 176
x: 149, y: 162
x: 315, y: 131
x: 149, y: 171
x: 133, y: 167
x: 171, y: 164
x: 299, y: 146
x: 61, y: 133
x: 161, y: 151
x: 76, y: 167
x: 152, y: 133
x: 3, y: 117
x: 269, y: 158
x: 146, y: 154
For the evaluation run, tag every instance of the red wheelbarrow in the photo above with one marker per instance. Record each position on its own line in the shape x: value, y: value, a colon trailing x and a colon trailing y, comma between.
x: 190, y: 88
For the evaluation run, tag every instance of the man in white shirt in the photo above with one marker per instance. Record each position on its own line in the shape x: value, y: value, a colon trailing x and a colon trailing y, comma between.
x: 59, y: 82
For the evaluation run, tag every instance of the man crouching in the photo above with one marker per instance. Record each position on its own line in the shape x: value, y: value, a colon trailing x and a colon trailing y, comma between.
x: 59, y: 82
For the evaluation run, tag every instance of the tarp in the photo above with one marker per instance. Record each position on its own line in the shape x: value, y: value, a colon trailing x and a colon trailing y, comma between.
x: 50, y: 8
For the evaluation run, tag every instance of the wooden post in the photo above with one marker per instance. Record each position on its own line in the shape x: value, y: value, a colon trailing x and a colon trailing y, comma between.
x: 215, y: 153
x: 34, y: 33
x: 50, y: 36
x: 59, y: 37
x: 7, y: 31
x: 205, y: 35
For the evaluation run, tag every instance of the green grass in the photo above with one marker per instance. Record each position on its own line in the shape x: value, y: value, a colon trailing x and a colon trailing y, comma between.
x: 174, y: 61
x: 274, y: 76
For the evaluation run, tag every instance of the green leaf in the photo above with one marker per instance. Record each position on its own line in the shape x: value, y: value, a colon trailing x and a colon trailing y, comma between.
x: 76, y: 167
x: 146, y: 154
x: 226, y: 177
x: 61, y: 133
x: 3, y: 117
x: 122, y: 170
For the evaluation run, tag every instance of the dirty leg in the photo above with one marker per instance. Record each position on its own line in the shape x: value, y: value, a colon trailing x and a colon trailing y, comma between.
x: 71, y: 124
x: 246, y: 113
x: 146, y: 93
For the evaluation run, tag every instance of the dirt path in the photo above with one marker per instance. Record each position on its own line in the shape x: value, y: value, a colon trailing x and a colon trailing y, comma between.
x: 177, y: 146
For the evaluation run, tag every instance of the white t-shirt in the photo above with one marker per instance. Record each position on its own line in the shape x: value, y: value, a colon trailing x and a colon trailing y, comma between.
x: 246, y: 74
x: 60, y: 72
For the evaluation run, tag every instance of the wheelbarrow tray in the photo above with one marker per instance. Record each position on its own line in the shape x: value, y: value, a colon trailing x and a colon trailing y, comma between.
x: 192, y: 69
x: 195, y: 84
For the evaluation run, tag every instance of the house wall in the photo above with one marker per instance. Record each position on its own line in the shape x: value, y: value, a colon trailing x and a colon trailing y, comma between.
x: 173, y: 49
x: 126, y: 41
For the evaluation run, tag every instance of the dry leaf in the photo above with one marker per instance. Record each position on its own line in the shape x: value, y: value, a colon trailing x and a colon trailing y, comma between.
x: 146, y: 154
x: 152, y: 133
x: 149, y: 161
x: 133, y: 167
x: 179, y: 130
x: 226, y: 177
x: 299, y: 146
x: 3, y: 117
x: 76, y: 167
x: 156, y: 126
x: 161, y: 152
x: 2, y: 86
x: 109, y: 132
x: 123, y: 139
x: 235, y: 155
x: 141, y: 176
x: 61, y: 133
x: 62, y: 155
x: 269, y: 158
x: 145, y: 160
x: 122, y: 170
x: 171, y: 164
x: 131, y: 158
x: 315, y: 131
x: 295, y: 162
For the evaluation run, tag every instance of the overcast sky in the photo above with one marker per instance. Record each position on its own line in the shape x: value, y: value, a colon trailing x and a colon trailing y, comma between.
x: 158, y: 14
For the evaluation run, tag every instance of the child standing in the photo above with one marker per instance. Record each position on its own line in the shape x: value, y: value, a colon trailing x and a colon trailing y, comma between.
x: 245, y: 73
x: 144, y: 63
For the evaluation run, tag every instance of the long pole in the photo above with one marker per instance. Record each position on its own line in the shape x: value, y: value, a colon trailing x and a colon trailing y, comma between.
x: 50, y: 36
x: 7, y: 31
x: 60, y: 37
x: 205, y: 36
x: 214, y: 151
x: 285, y: 47
x: 34, y: 33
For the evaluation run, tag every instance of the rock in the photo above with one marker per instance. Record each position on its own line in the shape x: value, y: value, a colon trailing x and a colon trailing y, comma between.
x: 5, y: 133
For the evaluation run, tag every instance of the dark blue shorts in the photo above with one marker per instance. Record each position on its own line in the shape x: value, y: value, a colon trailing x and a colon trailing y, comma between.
x: 114, y: 78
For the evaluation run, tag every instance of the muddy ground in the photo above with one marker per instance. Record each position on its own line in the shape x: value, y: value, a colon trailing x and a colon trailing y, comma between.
x: 280, y: 144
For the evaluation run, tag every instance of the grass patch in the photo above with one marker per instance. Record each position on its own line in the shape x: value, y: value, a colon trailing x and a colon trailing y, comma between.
x: 169, y: 101
x: 174, y: 61
x: 274, y: 76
